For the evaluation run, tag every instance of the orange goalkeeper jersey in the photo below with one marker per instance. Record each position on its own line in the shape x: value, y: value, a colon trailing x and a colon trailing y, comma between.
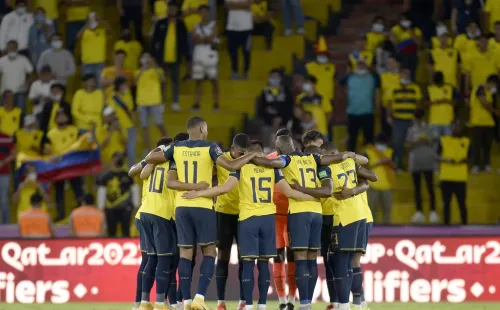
x: 279, y: 199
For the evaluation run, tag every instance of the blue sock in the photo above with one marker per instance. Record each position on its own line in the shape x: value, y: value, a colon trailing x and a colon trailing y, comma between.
x: 349, y: 280
x: 302, y: 279
x: 264, y: 281
x: 162, y: 277
x: 341, y: 272
x: 313, y: 277
x: 330, y: 279
x: 148, y: 278
x: 140, y: 273
x: 185, y: 277
x: 221, y: 274
x: 357, y: 285
x: 240, y: 272
x: 206, y: 274
x: 247, y: 281
x: 172, y: 290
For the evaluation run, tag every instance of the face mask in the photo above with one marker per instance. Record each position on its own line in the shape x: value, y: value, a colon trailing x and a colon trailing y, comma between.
x: 474, y: 35
x: 361, y: 71
x: 93, y: 24
x: 31, y: 176
x: 405, y: 81
x: 307, y: 87
x: 39, y: 17
x: 56, y: 97
x: 144, y: 61
x: 21, y: 10
x: 440, y: 30
x: 322, y: 59
x: 405, y: 23
x: 275, y: 82
x: 381, y: 147
x: 56, y: 44
x: 12, y: 54
x: 493, y: 90
x: 377, y: 27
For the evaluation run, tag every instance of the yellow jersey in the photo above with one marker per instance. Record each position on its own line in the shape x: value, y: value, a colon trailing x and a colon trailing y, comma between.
x: 87, y: 107
x: 118, y: 184
x: 124, y: 108
x: 478, y: 115
x: 159, y: 200
x: 366, y: 207
x: 51, y: 7
x: 325, y: 76
x: 145, y: 186
x: 160, y: 8
x: 93, y: 45
x: 149, y: 87
x: 386, y: 175
x: 435, y: 43
x: 405, y: 40
x: 314, y: 105
x: 25, y: 140
x: 25, y: 198
x: 465, y: 45
x: 193, y: 160
x: 133, y: 49
x: 302, y: 168
x: 481, y: 66
x: 388, y: 82
x: 114, y: 145
x: 170, y: 44
x: 344, y: 174
x: 366, y: 55
x: 441, y: 113
x: 374, y: 40
x: 493, y: 8
x: 10, y: 120
x: 192, y: 19
x: 456, y: 149
x: 77, y: 12
x: 61, y: 139
x: 255, y: 189
x: 227, y: 203
x: 404, y: 101
x: 447, y: 61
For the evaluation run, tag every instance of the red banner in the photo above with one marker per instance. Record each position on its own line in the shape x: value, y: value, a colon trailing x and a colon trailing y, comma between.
x: 395, y: 269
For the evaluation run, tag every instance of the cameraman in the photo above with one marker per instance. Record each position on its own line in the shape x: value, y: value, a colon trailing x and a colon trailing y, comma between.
x: 111, y: 137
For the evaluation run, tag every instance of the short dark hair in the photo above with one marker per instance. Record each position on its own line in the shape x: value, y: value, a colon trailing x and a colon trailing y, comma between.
x: 36, y: 198
x: 57, y: 34
x: 164, y: 141
x: 312, y: 79
x: 493, y: 79
x: 203, y: 7
x: 195, y: 121
x: 471, y: 22
x: 241, y: 140
x: 181, y: 136
x: 256, y: 142
x: 419, y: 114
x: 438, y: 77
x: 119, y: 81
x: 87, y: 199
x: 12, y: 42
x: 20, y: 2
x: 310, y: 136
x: 88, y: 76
x: 58, y: 85
x: 311, y: 149
x: 283, y: 132
x: 120, y: 51
x: 329, y: 147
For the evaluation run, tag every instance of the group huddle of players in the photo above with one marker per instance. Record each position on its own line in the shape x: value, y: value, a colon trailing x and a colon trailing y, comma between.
x: 299, y: 201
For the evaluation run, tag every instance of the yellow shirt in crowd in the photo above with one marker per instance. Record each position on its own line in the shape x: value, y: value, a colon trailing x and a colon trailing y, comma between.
x: 170, y: 48
x: 479, y: 116
x: 111, y: 73
x: 26, y: 141
x: 464, y: 45
x: 133, y: 49
x: 60, y: 139
x: 447, y: 61
x: 123, y: 116
x: 10, y: 120
x: 50, y: 6
x: 114, y: 145
x: 87, y: 107
x: 388, y: 81
x: 325, y: 76
x: 373, y: 40
x: 192, y: 19
x: 149, y: 87
x: 160, y: 8
x: 480, y: 66
x: 94, y: 45
x: 25, y: 198
x: 493, y: 8
x: 77, y: 12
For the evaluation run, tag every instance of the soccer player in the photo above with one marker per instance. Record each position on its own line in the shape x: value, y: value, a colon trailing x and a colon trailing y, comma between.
x: 256, y: 231
x: 227, y: 211
x: 192, y: 162
x: 312, y: 137
x: 304, y: 219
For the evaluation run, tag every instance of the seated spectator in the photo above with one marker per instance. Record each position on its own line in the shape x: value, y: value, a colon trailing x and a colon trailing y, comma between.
x: 363, y: 98
x: 205, y: 57
x: 59, y: 59
x: 479, y: 65
x: 481, y: 122
x: 117, y: 195
x: 15, y: 27
x: 16, y: 73
x: 422, y: 162
x: 492, y: 14
x: 57, y: 141
x: 56, y: 102
x: 388, y: 81
x: 360, y: 54
x: 239, y: 30
x: 380, y: 192
x: 464, y: 12
x: 325, y: 72
x: 293, y: 8
x: 6, y: 147
x: 438, y: 40
x: 29, y: 138
x: 445, y: 59
x: 123, y: 105
x: 408, y: 40
x: 403, y: 102
x: 39, y: 35
x: 170, y: 45
x: 149, y: 80
x: 10, y: 115
x: 111, y: 137
x: 39, y: 93
x: 132, y: 49
x: 131, y: 11
x: 263, y: 24
x: 87, y: 221
x: 311, y: 101
x: 77, y: 13
x: 109, y: 74
x: 377, y: 35
x: 466, y: 43
x: 88, y: 104
x: 441, y: 99
x: 26, y: 189
x: 453, y: 172
x: 35, y: 223
x: 94, y: 37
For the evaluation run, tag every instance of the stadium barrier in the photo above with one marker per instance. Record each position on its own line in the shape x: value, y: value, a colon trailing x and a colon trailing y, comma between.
x: 418, y: 269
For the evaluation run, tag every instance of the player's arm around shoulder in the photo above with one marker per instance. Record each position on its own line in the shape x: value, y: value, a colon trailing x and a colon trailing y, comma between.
x: 285, y: 188
x: 275, y: 163
x: 174, y: 183
x: 329, y: 159
x: 234, y: 164
x: 326, y: 189
x: 222, y: 189
x: 366, y: 174
x: 160, y: 155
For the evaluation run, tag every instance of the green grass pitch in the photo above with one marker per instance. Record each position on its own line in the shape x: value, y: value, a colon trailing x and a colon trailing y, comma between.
x: 271, y: 306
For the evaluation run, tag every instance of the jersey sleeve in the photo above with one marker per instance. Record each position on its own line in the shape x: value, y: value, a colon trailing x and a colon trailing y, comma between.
x: 278, y: 175
x: 317, y: 159
x: 169, y: 152
x: 286, y: 160
x: 215, y: 151
x: 324, y: 173
x: 235, y: 174
x: 172, y: 166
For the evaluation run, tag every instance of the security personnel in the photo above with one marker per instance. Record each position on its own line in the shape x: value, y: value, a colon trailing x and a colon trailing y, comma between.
x: 35, y: 223
x: 87, y: 221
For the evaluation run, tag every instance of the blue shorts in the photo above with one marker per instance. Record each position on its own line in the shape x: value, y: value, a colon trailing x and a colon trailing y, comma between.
x: 326, y: 234
x: 159, y: 235
x: 142, y: 241
x: 349, y: 238
x: 227, y: 230
x: 305, y: 230
x: 257, y: 236
x: 368, y: 230
x: 195, y: 226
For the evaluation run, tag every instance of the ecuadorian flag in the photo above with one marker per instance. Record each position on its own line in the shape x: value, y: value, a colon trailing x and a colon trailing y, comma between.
x: 81, y: 158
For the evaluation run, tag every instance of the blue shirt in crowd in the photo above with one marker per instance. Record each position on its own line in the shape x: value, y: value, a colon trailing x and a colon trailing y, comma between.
x: 360, y: 92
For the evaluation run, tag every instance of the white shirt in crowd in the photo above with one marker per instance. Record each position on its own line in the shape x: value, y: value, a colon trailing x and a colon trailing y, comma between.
x: 15, y: 27
x: 201, y: 50
x: 40, y: 91
x: 241, y: 19
x: 14, y: 71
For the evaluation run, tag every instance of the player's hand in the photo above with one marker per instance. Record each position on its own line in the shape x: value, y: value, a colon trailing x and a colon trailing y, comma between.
x: 347, y: 155
x: 295, y: 185
x: 344, y: 193
x: 202, y: 185
x: 190, y: 195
